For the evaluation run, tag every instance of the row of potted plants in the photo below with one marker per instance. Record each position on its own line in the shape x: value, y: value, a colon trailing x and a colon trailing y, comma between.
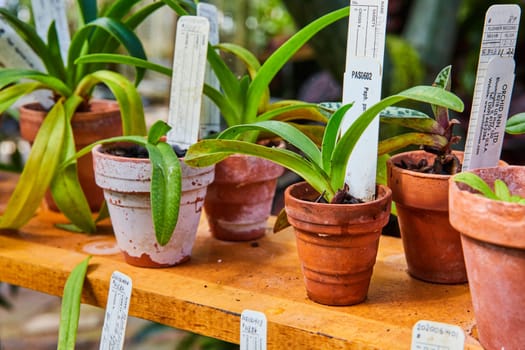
x: 165, y: 177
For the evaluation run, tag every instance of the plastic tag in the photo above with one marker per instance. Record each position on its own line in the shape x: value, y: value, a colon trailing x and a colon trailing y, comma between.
x: 429, y: 335
x: 47, y: 11
x: 210, y: 115
x: 189, y: 64
x: 500, y: 34
x: 253, y: 330
x: 119, y: 295
x: 362, y: 85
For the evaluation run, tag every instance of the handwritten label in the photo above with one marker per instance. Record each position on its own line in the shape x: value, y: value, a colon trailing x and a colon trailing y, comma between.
x: 429, y: 335
x: 210, y: 113
x: 119, y: 295
x: 253, y: 330
x: 189, y: 63
x: 495, y: 71
x: 362, y: 86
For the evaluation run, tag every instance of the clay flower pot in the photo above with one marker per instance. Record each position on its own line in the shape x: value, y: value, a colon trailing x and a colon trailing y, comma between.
x: 239, y: 201
x: 432, y: 246
x: 102, y: 121
x: 126, y: 183
x: 493, y: 237
x: 336, y: 243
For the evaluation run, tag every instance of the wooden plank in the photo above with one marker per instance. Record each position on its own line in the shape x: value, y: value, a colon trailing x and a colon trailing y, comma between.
x: 208, y: 294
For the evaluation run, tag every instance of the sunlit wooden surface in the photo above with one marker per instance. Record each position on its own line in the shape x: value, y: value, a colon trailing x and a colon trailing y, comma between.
x: 208, y: 294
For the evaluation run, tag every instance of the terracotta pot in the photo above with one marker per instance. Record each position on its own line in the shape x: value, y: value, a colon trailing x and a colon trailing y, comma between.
x: 337, y: 243
x: 102, y: 121
x: 493, y: 237
x: 126, y: 183
x: 432, y: 246
x: 239, y: 201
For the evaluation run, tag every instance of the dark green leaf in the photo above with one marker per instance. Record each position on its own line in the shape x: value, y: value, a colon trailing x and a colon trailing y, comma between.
x: 88, y: 10
x: 157, y: 130
x: 331, y: 135
x: 70, y: 310
x: 516, y: 124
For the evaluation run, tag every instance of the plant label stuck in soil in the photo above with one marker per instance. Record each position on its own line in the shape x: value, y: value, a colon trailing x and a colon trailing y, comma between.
x: 47, y: 12
x: 211, y: 115
x: 429, y: 335
x: 189, y: 65
x: 117, y: 307
x: 253, y: 330
x: 493, y: 88
x: 362, y: 86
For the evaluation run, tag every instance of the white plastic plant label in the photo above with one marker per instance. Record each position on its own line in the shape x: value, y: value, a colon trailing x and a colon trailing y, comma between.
x: 362, y: 86
x: 189, y: 65
x: 500, y: 33
x: 117, y: 307
x: 253, y: 330
x: 429, y: 335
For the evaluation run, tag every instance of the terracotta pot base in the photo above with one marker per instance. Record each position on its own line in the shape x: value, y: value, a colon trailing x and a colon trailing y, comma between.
x: 145, y: 261
x: 336, y: 243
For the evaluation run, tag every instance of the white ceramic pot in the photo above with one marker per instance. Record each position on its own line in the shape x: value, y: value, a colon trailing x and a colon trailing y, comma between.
x: 126, y: 183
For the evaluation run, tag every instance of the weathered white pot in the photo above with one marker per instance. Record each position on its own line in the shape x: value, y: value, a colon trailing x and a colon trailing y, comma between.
x: 126, y: 183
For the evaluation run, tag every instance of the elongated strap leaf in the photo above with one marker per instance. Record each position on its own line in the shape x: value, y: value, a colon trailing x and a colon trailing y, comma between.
x: 250, y: 61
x: 13, y: 75
x: 293, y: 110
x: 284, y: 130
x: 331, y: 135
x: 65, y: 187
x: 70, y: 310
x: 123, y: 59
x: 54, y: 50
x: 140, y: 15
x: 209, y: 152
x: 129, y: 100
x: 115, y: 29
x: 444, y: 81
x: 416, y: 122
x: 31, y: 37
x: 398, y: 142
x: 166, y: 186
x: 118, y: 8
x: 223, y: 103
x: 10, y: 95
x: 38, y: 171
x: 189, y: 7
x: 345, y: 146
x: 88, y: 10
x: 282, y: 55
x: 157, y: 130
x: 516, y: 124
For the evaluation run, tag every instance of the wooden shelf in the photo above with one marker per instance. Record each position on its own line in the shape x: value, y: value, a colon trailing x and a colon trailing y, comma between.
x: 208, y: 294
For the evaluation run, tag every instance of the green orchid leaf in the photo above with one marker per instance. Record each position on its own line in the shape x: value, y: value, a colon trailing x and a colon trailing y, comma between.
x: 224, y: 104
x: 38, y: 171
x: 502, y: 191
x: 416, y: 122
x: 70, y: 309
x: 166, y: 187
x: 397, y: 142
x: 400, y: 112
x: 477, y: 183
x: 209, y: 152
x: 284, y: 130
x: 123, y: 59
x: 180, y: 10
x: 14, y: 75
x: 281, y: 222
x: 444, y: 81
x: 516, y: 124
x: 313, y: 132
x: 136, y: 18
x: 115, y: 29
x: 10, y: 95
x: 65, y: 186
x: 88, y: 10
x: 129, y: 100
x: 293, y: 110
x: 31, y: 37
x: 345, y: 146
x: 331, y: 135
x: 118, y: 8
x: 157, y: 130
x: 54, y: 50
x: 250, y: 61
x: 228, y: 81
x: 282, y: 55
